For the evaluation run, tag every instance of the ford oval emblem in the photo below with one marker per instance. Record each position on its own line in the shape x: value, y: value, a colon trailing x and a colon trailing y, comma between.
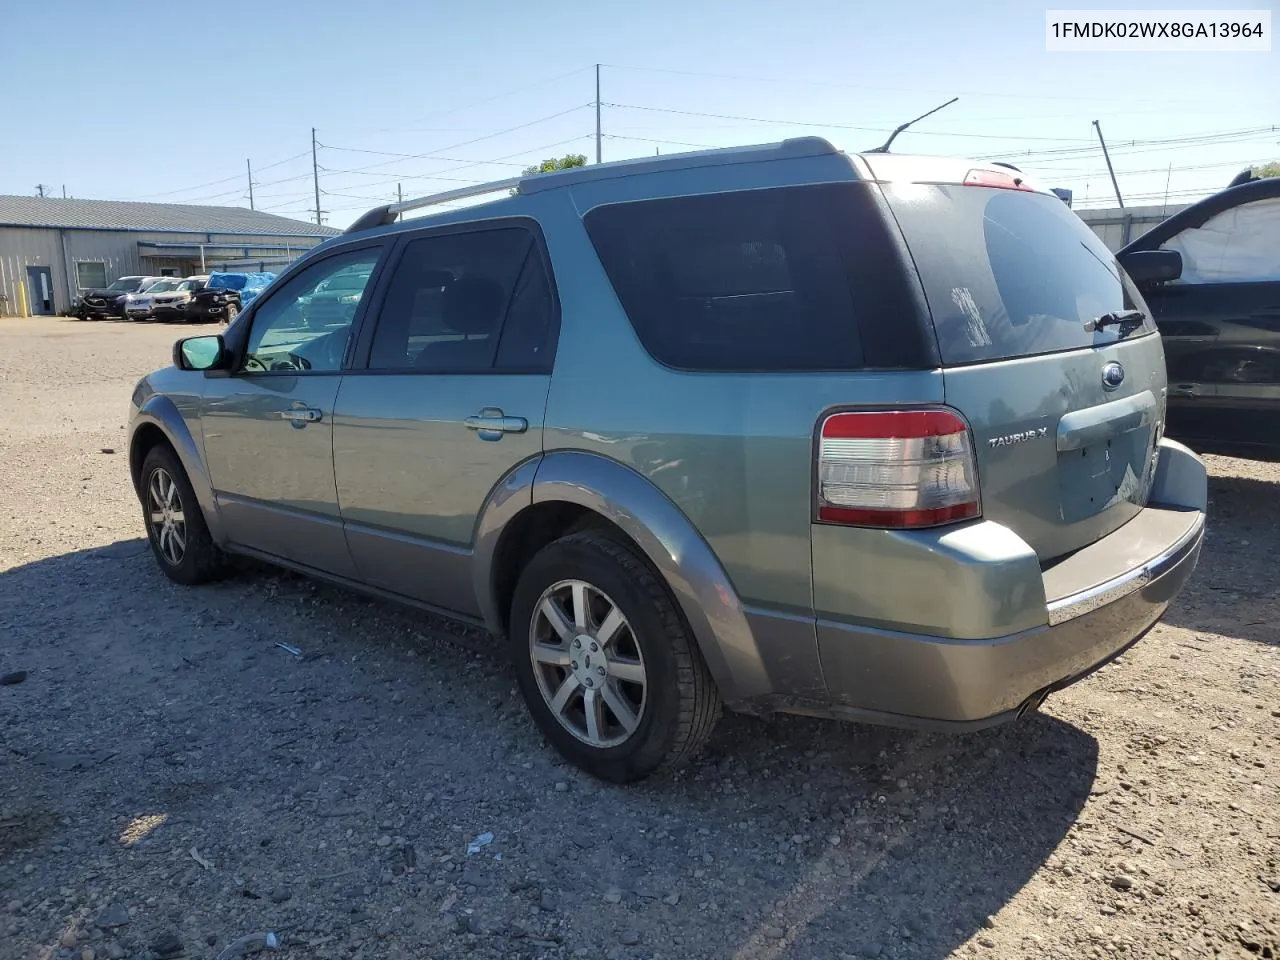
x: 1112, y: 375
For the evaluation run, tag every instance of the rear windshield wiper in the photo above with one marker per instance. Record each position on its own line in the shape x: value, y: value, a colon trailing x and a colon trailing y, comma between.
x: 1122, y: 318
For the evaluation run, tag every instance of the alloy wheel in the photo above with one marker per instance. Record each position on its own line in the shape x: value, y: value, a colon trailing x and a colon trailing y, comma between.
x: 587, y: 663
x: 168, y: 521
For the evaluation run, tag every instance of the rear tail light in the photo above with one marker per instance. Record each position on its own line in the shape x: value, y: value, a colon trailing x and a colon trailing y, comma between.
x: 896, y: 468
x: 993, y: 178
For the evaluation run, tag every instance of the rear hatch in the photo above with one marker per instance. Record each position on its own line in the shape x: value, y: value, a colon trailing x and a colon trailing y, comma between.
x: 1065, y: 412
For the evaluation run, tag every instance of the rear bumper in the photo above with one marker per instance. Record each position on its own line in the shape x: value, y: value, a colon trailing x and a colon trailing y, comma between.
x: 1092, y: 606
x: 912, y: 680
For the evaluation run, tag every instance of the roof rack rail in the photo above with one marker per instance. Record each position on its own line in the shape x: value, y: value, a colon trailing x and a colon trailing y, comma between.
x: 388, y: 213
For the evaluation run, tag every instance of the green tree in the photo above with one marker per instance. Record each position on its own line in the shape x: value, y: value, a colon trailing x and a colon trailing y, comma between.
x: 1271, y: 169
x: 552, y: 164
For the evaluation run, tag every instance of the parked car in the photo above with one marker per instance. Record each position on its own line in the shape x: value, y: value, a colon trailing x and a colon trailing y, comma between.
x: 335, y: 300
x: 1211, y: 274
x: 108, y: 301
x: 225, y: 295
x: 137, y: 306
x: 870, y: 437
x: 173, y: 305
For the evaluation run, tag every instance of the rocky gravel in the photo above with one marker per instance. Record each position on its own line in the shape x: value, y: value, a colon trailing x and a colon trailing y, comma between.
x: 174, y: 783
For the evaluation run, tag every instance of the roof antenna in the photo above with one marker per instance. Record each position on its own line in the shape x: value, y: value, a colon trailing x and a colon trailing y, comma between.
x: 885, y: 147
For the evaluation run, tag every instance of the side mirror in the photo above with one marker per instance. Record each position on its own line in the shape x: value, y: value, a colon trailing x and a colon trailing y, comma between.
x: 199, y: 353
x: 1152, y: 266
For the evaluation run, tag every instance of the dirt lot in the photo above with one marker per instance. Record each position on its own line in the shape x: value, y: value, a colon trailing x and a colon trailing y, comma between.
x: 170, y: 780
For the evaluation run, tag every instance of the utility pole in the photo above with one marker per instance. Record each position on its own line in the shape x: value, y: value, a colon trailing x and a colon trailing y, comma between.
x: 40, y: 188
x: 399, y: 193
x: 597, y: 113
x: 1106, y: 156
x: 315, y: 173
x: 249, y: 168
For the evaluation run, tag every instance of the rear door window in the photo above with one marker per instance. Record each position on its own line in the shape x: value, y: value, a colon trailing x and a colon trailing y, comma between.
x: 473, y: 300
x: 1010, y: 273
x: 749, y: 280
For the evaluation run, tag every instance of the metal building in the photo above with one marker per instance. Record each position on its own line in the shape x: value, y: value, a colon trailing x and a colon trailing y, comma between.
x: 51, y: 248
x: 1116, y: 226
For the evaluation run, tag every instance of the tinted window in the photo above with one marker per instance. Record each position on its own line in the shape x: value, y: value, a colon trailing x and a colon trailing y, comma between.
x: 751, y: 280
x: 303, y: 325
x: 1009, y: 273
x: 1238, y: 245
x: 466, y: 301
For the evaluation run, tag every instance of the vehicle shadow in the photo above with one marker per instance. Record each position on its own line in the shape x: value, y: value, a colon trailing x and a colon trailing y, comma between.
x: 909, y: 842
x: 1228, y: 595
x: 788, y: 837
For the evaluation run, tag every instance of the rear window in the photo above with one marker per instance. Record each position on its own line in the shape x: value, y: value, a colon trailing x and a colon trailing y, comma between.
x: 1009, y: 273
x: 749, y: 280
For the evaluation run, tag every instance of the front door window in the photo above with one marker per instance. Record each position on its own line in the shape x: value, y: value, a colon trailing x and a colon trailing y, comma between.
x: 306, y: 324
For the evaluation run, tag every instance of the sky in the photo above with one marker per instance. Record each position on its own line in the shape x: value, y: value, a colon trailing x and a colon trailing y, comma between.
x: 137, y: 102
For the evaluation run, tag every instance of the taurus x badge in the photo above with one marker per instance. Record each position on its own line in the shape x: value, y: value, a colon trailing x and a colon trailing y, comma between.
x: 1009, y: 439
x: 1112, y: 375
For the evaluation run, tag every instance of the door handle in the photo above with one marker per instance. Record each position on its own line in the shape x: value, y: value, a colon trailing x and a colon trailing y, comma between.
x: 300, y: 416
x: 490, y: 423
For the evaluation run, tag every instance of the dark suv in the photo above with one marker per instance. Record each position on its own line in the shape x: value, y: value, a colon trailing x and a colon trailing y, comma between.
x: 108, y: 301
x: 224, y: 295
x: 1211, y: 275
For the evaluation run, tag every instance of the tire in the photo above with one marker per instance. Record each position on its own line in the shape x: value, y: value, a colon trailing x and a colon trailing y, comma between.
x: 230, y: 313
x: 192, y: 557
x: 673, y: 705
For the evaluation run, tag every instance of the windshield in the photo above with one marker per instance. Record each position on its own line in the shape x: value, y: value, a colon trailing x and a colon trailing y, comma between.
x: 161, y: 286
x: 126, y: 284
x: 188, y: 285
x: 1009, y: 273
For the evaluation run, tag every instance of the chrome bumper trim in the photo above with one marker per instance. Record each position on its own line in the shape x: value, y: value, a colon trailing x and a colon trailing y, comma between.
x: 1078, y: 604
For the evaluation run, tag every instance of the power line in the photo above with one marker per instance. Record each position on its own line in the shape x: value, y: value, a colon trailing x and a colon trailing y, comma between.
x: 834, y: 126
x: 391, y: 177
x: 863, y: 86
x: 676, y: 143
x: 489, y: 136
x: 402, y: 156
x: 1081, y: 172
x: 214, y: 183
x: 436, y: 174
x: 1203, y: 139
x: 497, y: 96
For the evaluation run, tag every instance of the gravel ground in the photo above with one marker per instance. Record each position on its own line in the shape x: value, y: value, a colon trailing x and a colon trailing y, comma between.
x: 170, y: 780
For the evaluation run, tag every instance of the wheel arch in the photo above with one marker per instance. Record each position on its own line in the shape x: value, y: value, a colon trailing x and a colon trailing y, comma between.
x: 566, y: 491
x: 159, y: 421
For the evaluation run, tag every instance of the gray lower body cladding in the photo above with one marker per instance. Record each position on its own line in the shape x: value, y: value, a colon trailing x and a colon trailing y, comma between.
x: 910, y: 680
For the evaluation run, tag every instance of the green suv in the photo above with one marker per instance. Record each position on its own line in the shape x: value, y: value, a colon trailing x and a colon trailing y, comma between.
x: 777, y: 428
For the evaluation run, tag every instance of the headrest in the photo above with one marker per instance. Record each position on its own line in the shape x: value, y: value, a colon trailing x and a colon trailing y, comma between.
x: 472, y: 305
